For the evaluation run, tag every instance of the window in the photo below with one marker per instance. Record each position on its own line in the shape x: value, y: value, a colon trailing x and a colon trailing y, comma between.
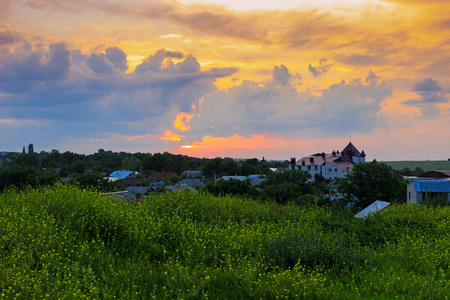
x: 335, y: 169
x: 315, y: 168
x: 309, y: 168
x: 329, y: 170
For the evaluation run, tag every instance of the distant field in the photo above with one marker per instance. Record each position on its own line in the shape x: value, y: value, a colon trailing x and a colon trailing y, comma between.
x: 426, y: 165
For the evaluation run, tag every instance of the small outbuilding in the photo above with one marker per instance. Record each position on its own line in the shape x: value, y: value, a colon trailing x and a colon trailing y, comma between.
x: 419, y: 190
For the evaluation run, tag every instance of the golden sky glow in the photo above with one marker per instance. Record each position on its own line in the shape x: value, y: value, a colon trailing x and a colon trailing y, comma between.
x: 230, y: 78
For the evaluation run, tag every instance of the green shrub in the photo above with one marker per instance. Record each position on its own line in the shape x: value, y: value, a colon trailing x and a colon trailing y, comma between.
x: 312, y: 251
x: 438, y: 200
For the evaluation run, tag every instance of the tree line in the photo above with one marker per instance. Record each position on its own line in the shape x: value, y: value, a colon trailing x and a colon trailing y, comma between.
x: 367, y: 182
x: 70, y: 163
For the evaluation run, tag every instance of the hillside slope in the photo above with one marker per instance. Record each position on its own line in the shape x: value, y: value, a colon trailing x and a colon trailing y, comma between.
x: 63, y: 242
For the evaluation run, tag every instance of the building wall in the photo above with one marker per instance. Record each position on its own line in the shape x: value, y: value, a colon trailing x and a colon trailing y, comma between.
x: 328, y: 171
x: 331, y: 172
x: 411, y: 195
x: 359, y: 159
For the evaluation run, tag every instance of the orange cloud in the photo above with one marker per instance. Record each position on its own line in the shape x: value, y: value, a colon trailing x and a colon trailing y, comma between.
x: 5, y: 121
x: 168, y: 136
x: 181, y: 121
x: 257, y: 146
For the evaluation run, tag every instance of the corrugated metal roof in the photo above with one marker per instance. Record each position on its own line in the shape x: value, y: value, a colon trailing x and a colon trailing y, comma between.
x: 372, y: 208
x: 192, y: 182
x: 435, y: 186
x: 121, y: 174
x: 241, y: 178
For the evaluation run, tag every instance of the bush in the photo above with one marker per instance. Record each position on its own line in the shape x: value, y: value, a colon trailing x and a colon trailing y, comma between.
x: 232, y: 187
x: 439, y: 200
x: 23, y: 176
x: 312, y: 251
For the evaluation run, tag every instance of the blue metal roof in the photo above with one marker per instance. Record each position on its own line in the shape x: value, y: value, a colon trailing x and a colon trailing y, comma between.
x: 121, y: 174
x: 372, y: 208
x: 432, y: 186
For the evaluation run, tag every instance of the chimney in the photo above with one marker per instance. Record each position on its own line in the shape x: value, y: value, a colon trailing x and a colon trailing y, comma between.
x: 334, y: 153
x: 323, y: 154
x: 292, y: 160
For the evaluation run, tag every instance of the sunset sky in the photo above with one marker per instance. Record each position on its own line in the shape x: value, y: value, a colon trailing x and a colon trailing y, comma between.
x: 273, y: 78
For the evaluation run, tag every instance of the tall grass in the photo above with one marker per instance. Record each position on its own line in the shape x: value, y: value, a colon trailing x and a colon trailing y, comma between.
x: 68, y: 243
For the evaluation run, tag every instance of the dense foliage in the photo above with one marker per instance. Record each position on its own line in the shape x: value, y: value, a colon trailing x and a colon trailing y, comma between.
x: 289, y: 185
x: 232, y: 187
x: 97, y: 182
x: 66, y: 243
x: 22, y: 176
x: 370, y: 182
x: 69, y: 164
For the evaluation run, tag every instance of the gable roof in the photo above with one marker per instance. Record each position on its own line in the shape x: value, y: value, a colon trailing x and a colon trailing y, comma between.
x: 192, y: 182
x: 436, y: 174
x: 121, y: 174
x: 351, y: 150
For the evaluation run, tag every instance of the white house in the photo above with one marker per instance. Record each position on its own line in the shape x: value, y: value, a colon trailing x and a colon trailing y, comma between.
x: 418, y: 190
x: 330, y: 165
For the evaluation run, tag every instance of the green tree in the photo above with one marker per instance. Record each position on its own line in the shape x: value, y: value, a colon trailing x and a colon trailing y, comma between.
x: 212, y: 166
x: 65, y: 171
x: 250, y: 166
x: 130, y: 163
x: 97, y: 181
x: 370, y: 182
x: 286, y: 186
x: 27, y: 159
x: 229, y: 166
x: 232, y: 187
x: 22, y: 176
x: 79, y: 166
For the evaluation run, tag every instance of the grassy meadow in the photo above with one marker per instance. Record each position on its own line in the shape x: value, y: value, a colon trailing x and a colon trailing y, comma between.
x: 426, y: 165
x: 66, y: 243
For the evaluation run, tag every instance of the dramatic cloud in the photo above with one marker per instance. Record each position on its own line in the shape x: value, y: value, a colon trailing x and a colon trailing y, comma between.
x: 8, y: 37
x: 320, y: 69
x: 281, y: 75
x: 94, y: 94
x: 118, y: 58
x: 98, y: 63
x: 28, y: 68
x: 428, y: 85
x: 176, y: 72
x: 249, y: 108
x: 431, y: 93
x: 155, y: 62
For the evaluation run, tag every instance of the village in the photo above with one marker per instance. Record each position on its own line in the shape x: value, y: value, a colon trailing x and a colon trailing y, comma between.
x: 327, y: 167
